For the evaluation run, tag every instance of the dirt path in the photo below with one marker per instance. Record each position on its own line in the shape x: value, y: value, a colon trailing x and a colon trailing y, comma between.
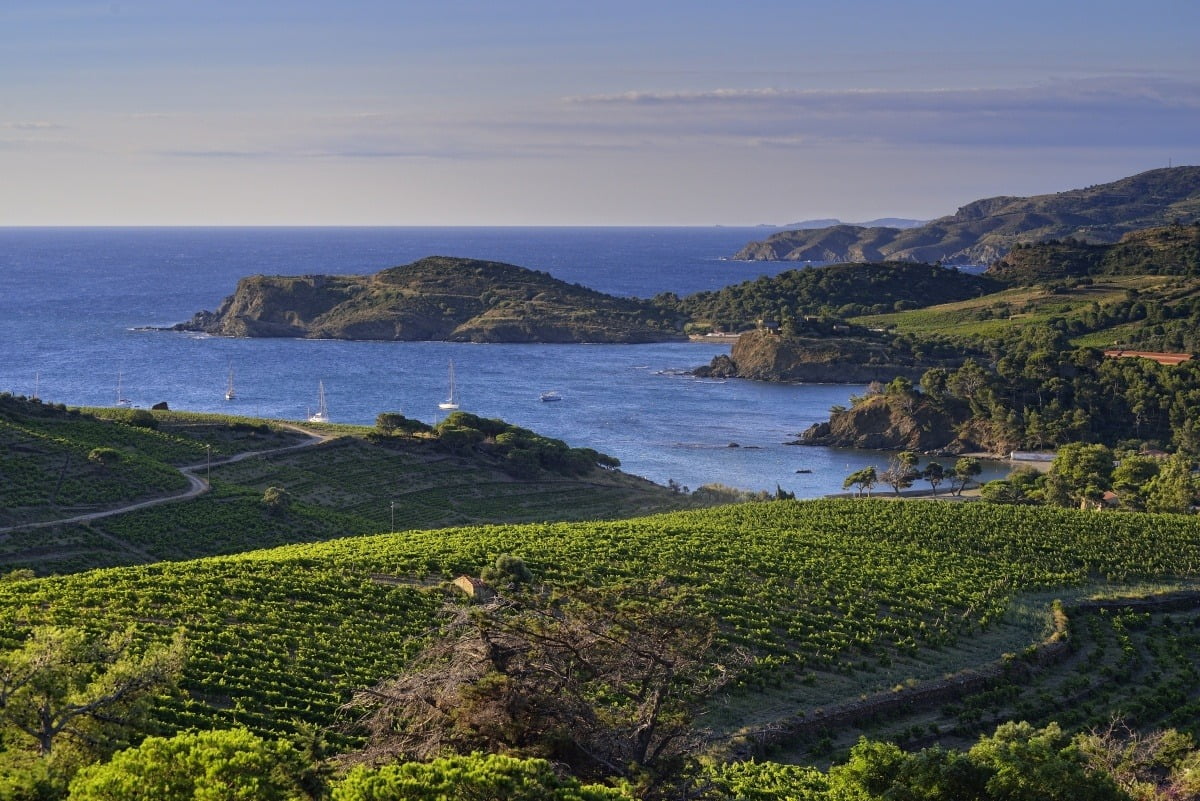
x: 197, y: 486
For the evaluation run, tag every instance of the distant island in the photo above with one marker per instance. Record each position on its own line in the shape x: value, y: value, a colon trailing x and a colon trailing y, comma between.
x: 436, y: 298
x: 881, y: 222
x: 986, y: 230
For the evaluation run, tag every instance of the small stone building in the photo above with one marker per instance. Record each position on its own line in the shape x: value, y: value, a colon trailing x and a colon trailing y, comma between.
x: 475, y: 589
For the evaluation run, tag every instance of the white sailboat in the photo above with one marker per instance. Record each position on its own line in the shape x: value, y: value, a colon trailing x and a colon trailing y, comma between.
x: 321, y: 415
x: 229, y: 393
x: 451, y: 401
x: 121, y: 399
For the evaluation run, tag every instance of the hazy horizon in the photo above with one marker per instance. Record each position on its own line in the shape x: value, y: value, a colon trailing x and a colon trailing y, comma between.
x: 168, y: 113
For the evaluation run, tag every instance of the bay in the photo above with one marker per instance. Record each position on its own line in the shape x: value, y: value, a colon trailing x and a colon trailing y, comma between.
x: 72, y: 301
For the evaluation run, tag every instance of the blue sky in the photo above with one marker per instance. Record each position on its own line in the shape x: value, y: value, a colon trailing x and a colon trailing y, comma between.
x: 257, y: 112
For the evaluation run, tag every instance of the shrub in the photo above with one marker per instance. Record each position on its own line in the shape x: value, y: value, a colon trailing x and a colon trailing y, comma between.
x: 104, y: 456
x: 475, y: 776
x: 225, y: 764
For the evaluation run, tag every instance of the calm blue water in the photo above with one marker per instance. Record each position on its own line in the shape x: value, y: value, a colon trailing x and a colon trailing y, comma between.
x: 71, y: 299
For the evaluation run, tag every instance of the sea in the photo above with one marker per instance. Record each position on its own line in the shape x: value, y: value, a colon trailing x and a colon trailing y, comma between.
x: 78, y: 307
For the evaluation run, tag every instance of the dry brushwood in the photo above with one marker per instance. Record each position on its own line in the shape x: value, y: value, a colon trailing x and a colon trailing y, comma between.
x: 604, y: 682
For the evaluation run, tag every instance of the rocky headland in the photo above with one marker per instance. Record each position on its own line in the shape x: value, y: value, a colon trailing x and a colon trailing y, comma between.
x: 767, y: 356
x: 878, y: 423
x: 437, y: 298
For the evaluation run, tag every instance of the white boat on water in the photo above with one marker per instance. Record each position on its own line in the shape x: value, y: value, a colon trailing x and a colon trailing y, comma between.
x: 451, y: 401
x: 321, y: 415
x: 121, y: 399
x: 550, y: 396
x: 229, y: 393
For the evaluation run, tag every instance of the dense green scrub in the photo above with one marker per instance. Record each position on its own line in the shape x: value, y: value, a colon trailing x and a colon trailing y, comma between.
x: 284, y: 635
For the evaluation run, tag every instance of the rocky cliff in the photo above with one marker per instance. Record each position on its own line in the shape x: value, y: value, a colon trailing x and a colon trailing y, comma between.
x: 437, y: 298
x: 985, y: 230
x: 884, y: 423
x: 764, y: 356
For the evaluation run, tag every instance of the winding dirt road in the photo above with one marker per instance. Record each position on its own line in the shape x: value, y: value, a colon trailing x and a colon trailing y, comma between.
x: 197, y: 485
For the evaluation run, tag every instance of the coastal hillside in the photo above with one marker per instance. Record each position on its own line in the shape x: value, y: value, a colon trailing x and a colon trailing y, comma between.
x: 1165, y: 250
x: 81, y: 489
x: 767, y: 356
x: 838, y: 290
x: 1141, y: 293
x: 985, y: 230
x: 437, y: 298
x: 816, y: 605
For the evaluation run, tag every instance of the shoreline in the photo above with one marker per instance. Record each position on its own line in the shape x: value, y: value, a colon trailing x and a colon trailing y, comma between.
x: 969, y: 494
x: 718, y: 339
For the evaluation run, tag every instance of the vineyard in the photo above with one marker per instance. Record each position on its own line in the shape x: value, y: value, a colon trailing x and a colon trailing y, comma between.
x: 994, y: 314
x: 51, y: 467
x: 1129, y: 660
x: 855, y: 593
x: 55, y: 462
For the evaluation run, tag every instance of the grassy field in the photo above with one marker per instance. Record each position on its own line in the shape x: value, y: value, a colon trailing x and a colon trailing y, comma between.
x: 993, y: 314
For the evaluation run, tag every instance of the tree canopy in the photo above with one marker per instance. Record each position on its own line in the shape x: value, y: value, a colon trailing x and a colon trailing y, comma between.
x: 64, y: 684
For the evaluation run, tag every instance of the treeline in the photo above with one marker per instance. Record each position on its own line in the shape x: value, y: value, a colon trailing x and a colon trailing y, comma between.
x: 1169, y: 326
x: 1040, y: 392
x: 839, y: 290
x: 1166, y: 250
x: 1096, y: 477
x: 518, y: 451
x: 1018, y: 762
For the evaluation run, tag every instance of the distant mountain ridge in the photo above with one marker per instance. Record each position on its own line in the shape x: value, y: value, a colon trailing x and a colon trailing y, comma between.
x: 985, y: 230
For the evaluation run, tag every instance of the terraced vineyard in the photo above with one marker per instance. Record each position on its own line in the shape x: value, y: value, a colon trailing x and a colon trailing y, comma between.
x: 992, y: 315
x: 1130, y: 660
x: 55, y: 463
x: 350, y: 485
x: 815, y: 590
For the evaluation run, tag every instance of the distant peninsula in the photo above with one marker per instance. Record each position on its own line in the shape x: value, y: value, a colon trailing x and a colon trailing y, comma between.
x: 436, y: 298
x: 986, y: 230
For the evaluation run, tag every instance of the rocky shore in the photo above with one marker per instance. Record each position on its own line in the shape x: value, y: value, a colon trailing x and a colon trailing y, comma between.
x: 766, y: 356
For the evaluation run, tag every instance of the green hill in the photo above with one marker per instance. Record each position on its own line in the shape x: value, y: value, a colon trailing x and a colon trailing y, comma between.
x: 837, y: 290
x: 57, y: 462
x: 437, y: 298
x: 985, y: 230
x: 835, y: 600
x: 1003, y: 312
x: 1166, y: 250
x: 466, y: 470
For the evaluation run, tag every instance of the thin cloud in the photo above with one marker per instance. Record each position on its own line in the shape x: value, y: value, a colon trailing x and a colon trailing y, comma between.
x: 219, y: 154
x: 1120, y: 111
x: 37, y: 125
x: 1105, y: 91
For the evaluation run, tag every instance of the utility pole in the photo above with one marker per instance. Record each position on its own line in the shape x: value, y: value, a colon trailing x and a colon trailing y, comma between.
x: 208, y: 466
x: 393, y: 506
